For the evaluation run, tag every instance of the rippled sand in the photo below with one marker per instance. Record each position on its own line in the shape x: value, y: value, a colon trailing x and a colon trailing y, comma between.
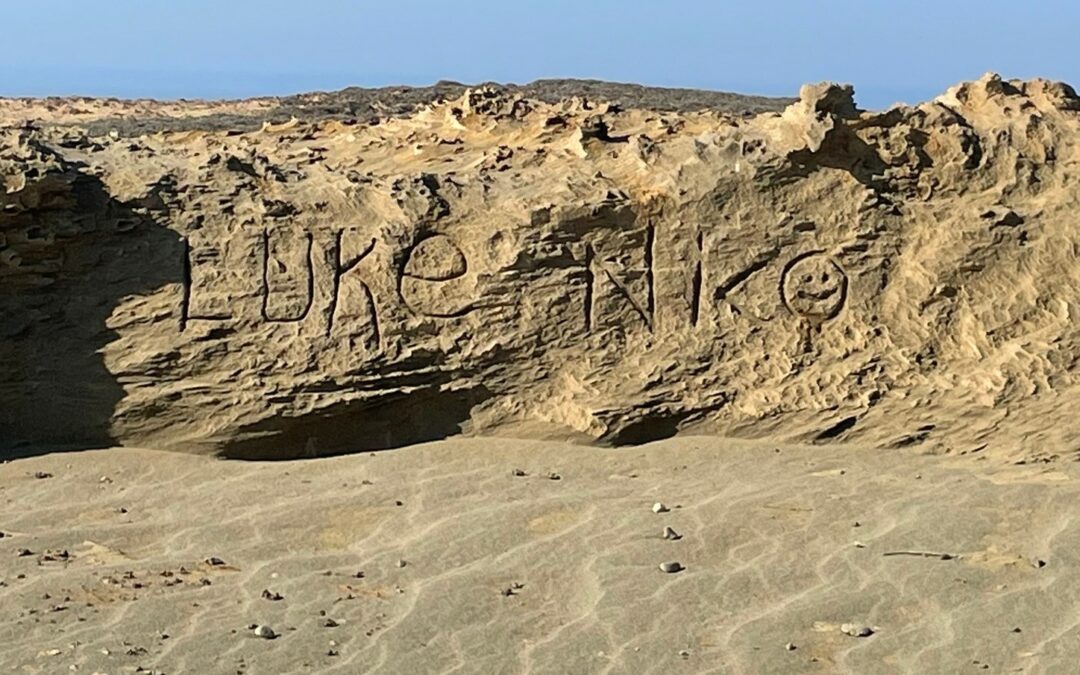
x: 469, y: 568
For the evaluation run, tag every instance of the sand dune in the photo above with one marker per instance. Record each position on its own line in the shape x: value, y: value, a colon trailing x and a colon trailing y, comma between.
x: 498, y: 264
x: 658, y: 387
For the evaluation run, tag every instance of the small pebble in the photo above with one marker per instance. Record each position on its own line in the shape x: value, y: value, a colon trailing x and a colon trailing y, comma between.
x: 272, y: 595
x: 517, y: 472
x: 671, y: 567
x: 402, y: 563
x: 671, y: 534
x: 330, y: 623
x: 790, y: 646
x: 683, y: 653
x: 857, y: 630
x: 265, y: 632
x: 554, y: 476
x: 513, y: 588
x: 658, y: 507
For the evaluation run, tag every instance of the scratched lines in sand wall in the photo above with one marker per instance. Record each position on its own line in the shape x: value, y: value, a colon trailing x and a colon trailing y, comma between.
x: 428, y: 282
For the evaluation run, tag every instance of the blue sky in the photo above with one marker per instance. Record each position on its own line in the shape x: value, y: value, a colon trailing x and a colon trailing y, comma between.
x: 891, y: 51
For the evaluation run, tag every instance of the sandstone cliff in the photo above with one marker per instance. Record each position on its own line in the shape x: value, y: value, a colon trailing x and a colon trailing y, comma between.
x: 501, y: 265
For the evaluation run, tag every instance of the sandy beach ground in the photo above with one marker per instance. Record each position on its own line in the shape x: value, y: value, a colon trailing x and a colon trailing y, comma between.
x: 503, y: 556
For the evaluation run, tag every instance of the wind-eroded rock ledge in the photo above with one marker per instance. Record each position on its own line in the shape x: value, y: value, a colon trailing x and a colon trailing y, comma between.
x: 493, y: 264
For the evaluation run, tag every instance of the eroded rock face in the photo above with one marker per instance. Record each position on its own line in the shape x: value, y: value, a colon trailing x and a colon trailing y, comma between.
x: 498, y: 265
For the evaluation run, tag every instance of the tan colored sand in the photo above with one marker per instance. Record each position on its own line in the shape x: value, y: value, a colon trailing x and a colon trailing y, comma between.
x: 781, y: 545
x: 879, y: 305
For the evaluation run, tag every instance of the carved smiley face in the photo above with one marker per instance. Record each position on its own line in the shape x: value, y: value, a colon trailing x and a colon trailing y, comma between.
x: 814, y: 286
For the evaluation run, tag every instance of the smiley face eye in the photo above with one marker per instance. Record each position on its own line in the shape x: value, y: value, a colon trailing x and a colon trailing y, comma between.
x: 807, y: 278
x: 825, y: 276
